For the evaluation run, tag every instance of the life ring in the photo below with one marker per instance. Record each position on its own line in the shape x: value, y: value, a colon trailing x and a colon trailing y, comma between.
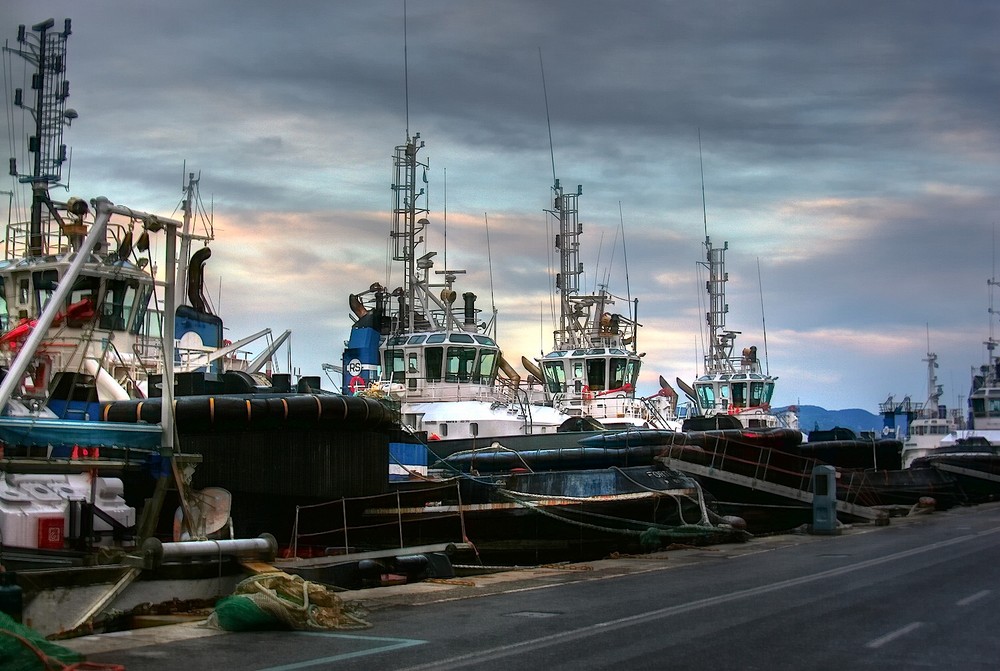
x: 587, y: 394
x: 356, y: 384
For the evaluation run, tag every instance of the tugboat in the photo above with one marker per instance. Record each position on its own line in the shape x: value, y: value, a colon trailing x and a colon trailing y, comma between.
x: 931, y: 422
x: 734, y: 391
x: 593, y: 368
x: 413, y: 345
x: 104, y: 344
x: 972, y: 453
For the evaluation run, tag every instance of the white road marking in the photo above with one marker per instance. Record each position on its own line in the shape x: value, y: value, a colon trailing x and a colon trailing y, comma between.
x: 893, y: 635
x: 972, y: 597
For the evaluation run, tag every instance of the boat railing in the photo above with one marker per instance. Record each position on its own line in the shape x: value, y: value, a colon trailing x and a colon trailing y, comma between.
x: 376, y: 522
x: 57, y: 237
x: 774, y: 466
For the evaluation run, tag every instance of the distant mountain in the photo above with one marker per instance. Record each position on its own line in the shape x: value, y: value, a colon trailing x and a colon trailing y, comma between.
x: 813, y: 417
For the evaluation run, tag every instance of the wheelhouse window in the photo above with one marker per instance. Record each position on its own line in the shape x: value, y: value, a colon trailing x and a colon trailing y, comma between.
x: 116, y: 309
x: 621, y: 373
x: 393, y: 365
x: 142, y: 312
x: 433, y: 358
x: 706, y: 395
x: 555, y: 376
x: 758, y: 393
x: 739, y: 394
x: 486, y: 370
x: 979, y: 407
x: 596, y: 374
x: 45, y: 282
x: 459, y: 364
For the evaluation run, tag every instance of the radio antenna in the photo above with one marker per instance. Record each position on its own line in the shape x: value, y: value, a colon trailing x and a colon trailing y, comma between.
x: 548, y: 120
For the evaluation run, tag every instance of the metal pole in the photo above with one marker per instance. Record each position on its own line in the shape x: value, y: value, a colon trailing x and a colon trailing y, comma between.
x: 343, y: 508
x: 399, y: 518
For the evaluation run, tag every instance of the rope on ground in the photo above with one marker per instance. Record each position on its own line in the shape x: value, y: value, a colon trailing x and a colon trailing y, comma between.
x: 279, y: 600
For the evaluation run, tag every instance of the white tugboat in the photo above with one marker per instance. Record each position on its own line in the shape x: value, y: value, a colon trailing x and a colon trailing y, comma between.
x: 439, y: 360
x: 932, y: 421
x: 593, y: 368
x: 732, y: 385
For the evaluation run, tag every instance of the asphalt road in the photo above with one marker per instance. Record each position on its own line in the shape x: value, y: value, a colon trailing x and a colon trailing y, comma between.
x: 921, y: 593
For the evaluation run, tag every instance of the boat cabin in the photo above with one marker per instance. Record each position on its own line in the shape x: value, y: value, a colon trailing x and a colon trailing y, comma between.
x: 733, y: 392
x: 984, y: 400
x: 432, y: 363
x: 596, y: 370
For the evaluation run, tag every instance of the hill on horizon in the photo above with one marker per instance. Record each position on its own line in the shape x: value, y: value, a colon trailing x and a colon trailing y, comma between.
x: 813, y: 417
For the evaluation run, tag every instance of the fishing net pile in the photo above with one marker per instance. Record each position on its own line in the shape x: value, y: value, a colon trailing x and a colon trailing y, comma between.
x: 279, y: 600
x: 24, y: 649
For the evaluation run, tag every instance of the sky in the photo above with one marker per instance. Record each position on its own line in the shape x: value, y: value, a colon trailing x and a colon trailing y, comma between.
x: 848, y: 152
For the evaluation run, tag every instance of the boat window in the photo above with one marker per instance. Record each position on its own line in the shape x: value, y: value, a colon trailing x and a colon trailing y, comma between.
x: 596, y: 374
x: 45, y: 282
x: 595, y: 352
x: 461, y: 337
x: 706, y: 396
x: 397, y: 340
x: 739, y: 394
x: 579, y: 352
x: 114, y: 315
x: 555, y: 376
x: 436, y: 338
x: 442, y: 429
x: 458, y: 367
x: 416, y: 340
x: 632, y: 374
x: 393, y: 365
x: 23, y: 288
x: 433, y: 358
x: 757, y: 393
x: 768, y: 392
x: 995, y: 407
x: 474, y: 428
x: 485, y: 340
x: 411, y: 364
x: 979, y: 407
x: 620, y: 373
x: 4, y: 320
x: 577, y: 371
x: 486, y: 370
x: 141, y: 314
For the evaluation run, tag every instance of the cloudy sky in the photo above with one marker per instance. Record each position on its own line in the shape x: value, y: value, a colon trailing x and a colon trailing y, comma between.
x: 851, y: 156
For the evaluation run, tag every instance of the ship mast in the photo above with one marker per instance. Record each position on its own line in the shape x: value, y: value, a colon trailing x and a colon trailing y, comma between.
x: 47, y: 52
x: 422, y: 309
x: 567, y: 242
x: 718, y: 357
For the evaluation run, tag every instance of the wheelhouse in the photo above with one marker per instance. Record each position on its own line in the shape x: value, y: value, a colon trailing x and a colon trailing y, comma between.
x: 416, y: 360
x: 593, y: 370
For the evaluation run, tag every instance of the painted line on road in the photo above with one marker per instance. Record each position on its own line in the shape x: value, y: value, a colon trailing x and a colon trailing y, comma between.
x: 972, y: 597
x: 472, y: 658
x: 388, y: 644
x: 892, y: 636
